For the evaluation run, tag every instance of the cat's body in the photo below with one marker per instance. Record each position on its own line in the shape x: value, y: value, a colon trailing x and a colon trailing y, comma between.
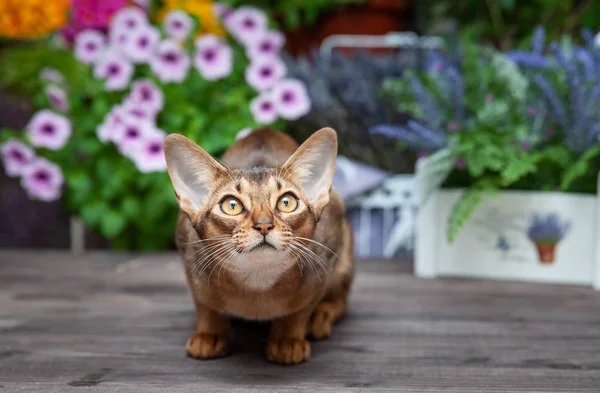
x: 261, y: 262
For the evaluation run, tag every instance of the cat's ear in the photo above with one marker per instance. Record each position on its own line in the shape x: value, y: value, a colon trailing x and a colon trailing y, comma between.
x: 193, y: 172
x: 312, y: 166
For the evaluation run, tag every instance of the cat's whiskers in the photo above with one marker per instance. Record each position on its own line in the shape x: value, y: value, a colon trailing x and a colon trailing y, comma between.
x: 205, y: 249
x: 214, y: 254
x: 219, y: 262
x: 314, y: 262
x: 211, y: 252
x: 315, y: 257
x: 207, y: 239
x: 217, y: 241
x: 318, y: 244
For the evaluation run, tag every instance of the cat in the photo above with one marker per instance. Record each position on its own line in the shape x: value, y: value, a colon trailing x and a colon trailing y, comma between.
x: 262, y: 236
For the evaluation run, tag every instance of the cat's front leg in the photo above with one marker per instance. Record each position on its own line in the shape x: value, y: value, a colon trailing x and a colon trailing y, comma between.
x: 212, y: 337
x: 287, y: 340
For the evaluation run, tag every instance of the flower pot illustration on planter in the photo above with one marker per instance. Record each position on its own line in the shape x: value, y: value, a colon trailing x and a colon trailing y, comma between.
x: 546, y: 232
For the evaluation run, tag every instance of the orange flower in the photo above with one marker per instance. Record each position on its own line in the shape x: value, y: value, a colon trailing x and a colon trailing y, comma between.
x: 202, y: 9
x: 32, y: 18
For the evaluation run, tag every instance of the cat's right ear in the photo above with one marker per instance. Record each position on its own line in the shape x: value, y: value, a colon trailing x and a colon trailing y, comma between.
x: 193, y: 172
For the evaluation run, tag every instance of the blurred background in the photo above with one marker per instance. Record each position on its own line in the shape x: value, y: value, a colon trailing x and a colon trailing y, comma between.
x: 89, y: 88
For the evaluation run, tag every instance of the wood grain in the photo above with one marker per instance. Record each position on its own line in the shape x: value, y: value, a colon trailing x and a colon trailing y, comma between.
x: 110, y: 322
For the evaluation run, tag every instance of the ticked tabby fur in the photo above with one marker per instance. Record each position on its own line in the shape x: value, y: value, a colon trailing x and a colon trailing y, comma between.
x: 263, y: 237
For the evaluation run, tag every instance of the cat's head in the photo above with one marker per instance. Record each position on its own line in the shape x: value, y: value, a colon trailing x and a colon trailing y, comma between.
x: 253, y: 210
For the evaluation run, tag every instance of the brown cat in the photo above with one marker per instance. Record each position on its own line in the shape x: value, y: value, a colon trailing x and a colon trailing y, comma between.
x: 262, y: 237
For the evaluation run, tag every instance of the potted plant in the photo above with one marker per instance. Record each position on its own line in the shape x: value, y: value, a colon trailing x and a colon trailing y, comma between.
x: 96, y: 138
x: 503, y: 150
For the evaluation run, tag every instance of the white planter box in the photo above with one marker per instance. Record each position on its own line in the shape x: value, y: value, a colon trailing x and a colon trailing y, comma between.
x: 495, y: 244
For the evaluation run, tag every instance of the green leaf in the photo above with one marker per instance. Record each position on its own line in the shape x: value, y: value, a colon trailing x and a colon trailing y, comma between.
x: 79, y: 181
x: 579, y: 167
x: 463, y: 210
x: 508, y: 5
x: 111, y: 224
x: 518, y: 168
x: 131, y: 207
x: 92, y: 212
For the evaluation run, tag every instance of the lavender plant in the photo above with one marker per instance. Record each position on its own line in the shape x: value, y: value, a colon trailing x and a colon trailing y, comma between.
x: 547, y: 229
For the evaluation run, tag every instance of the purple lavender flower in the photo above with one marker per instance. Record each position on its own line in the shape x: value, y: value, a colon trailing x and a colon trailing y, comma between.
x: 149, y: 156
x: 246, y: 24
x: 425, y: 101
x: 170, y: 62
x: 48, y: 129
x: 178, y: 24
x: 147, y: 95
x: 268, y: 43
x: 413, y: 135
x: 556, y: 106
x: 51, y: 75
x: 263, y: 108
x: 57, y: 98
x: 16, y: 156
x: 213, y: 58
x: 539, y: 40
x: 264, y: 72
x: 129, y: 18
x: 139, y: 46
x: 109, y: 130
x: 547, y: 230
x: 42, y: 180
x: 458, y: 93
x: 89, y: 45
x: 291, y: 99
x: 528, y: 59
x: 115, y: 70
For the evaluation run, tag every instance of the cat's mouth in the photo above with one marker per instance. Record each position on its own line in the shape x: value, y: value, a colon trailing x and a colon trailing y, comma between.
x: 264, y: 245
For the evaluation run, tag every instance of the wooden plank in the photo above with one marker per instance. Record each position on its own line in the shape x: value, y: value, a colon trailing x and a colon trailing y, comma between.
x: 113, y: 322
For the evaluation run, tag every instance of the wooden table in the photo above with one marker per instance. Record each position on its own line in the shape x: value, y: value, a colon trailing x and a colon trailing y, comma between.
x: 107, y: 322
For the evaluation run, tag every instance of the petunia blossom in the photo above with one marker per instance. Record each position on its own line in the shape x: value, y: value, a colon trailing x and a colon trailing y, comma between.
x: 138, y: 111
x: 108, y: 130
x: 139, y: 46
x: 147, y: 95
x: 178, y: 24
x: 115, y: 70
x: 129, y: 18
x: 263, y: 108
x: 57, y: 98
x: 246, y: 24
x: 42, y: 180
x: 267, y: 43
x: 264, y: 72
x: 130, y: 133
x: 15, y: 156
x: 222, y: 11
x: 48, y: 129
x: 214, y: 58
x: 170, y: 63
x: 89, y: 45
x: 51, y: 75
x: 149, y: 156
x: 291, y: 99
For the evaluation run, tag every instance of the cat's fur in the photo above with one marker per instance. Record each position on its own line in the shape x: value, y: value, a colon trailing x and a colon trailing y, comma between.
x: 303, y: 290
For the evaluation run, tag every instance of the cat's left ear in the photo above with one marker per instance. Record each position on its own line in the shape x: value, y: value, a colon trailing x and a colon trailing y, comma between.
x: 312, y: 166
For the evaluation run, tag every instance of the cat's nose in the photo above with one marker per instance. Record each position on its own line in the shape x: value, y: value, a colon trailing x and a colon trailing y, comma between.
x: 263, y: 226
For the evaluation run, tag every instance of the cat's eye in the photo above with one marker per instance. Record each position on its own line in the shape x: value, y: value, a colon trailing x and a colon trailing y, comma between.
x: 287, y: 203
x: 232, y: 206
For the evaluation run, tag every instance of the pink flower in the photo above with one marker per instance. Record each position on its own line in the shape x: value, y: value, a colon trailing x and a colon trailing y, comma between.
x: 89, y: 45
x: 48, y: 129
x: 147, y: 95
x: 178, y: 24
x: 268, y: 43
x: 460, y: 164
x: 222, y: 11
x: 139, y: 46
x: 94, y: 14
x: 291, y: 99
x: 138, y: 111
x: 246, y: 24
x: 129, y: 18
x: 16, y: 156
x: 214, y: 58
x: 170, y: 62
x: 264, y: 72
x: 149, y: 155
x: 42, y: 180
x: 51, y: 75
x: 130, y: 133
x: 115, y: 70
x: 119, y: 37
x: 107, y: 131
x: 263, y: 108
x: 57, y: 98
x: 143, y: 3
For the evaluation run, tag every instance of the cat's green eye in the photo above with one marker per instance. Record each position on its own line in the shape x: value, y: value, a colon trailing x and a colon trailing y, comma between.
x: 287, y: 203
x: 232, y: 206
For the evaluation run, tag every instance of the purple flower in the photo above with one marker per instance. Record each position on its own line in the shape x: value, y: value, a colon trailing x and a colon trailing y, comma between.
x: 214, y: 58
x: 139, y: 46
x: 460, y: 164
x: 170, y: 62
x: 51, y: 75
x: 147, y: 95
x: 453, y: 126
x: 115, y: 70
x: 108, y: 130
x: 263, y: 108
x: 268, y: 43
x: 130, y: 133
x: 264, y: 72
x: 89, y: 45
x: 526, y: 145
x: 291, y: 99
x: 57, y: 98
x: 129, y: 18
x: 178, y: 24
x: 42, y: 180
x: 138, y: 111
x: 48, y: 129
x: 547, y: 230
x: 149, y: 156
x: 531, y: 111
x: 222, y: 11
x: 246, y: 24
x: 16, y: 156
x: 489, y: 98
x: 118, y: 38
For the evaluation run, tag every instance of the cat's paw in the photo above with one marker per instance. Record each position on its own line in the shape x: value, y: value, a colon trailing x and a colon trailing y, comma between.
x: 288, y: 351
x: 324, y: 318
x: 207, y: 346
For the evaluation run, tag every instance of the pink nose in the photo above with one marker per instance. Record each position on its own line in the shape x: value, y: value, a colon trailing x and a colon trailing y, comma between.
x: 263, y: 227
